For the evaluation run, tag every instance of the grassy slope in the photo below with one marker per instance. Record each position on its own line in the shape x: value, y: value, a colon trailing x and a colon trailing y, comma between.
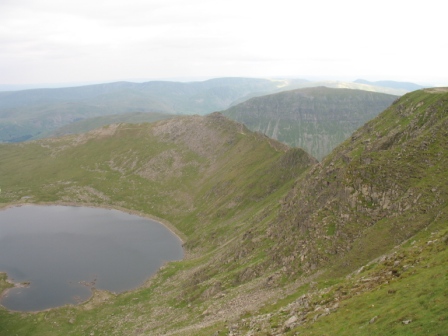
x: 386, y: 184
x: 402, y: 293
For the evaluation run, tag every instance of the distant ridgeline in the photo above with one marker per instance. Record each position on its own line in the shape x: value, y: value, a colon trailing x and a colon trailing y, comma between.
x: 37, y: 113
x: 26, y: 114
x: 392, y: 84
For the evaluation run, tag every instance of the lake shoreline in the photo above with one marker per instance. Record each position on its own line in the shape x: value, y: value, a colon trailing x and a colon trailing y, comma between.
x: 91, y: 300
x: 13, y: 284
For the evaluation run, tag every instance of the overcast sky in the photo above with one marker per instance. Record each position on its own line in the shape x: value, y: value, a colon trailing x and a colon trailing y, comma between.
x: 68, y: 41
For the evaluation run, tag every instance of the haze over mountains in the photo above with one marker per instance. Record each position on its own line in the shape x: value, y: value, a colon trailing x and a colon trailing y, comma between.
x: 34, y: 113
x: 276, y: 242
x: 392, y: 84
x: 25, y: 114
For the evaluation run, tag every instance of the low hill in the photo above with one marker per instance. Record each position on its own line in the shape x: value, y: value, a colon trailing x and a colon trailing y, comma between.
x: 316, y: 119
x: 276, y: 243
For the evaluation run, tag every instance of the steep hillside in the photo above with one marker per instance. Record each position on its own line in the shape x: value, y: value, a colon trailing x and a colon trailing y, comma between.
x: 316, y: 119
x: 276, y: 242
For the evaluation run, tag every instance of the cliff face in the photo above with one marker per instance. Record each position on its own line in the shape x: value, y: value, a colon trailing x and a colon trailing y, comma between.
x: 316, y: 119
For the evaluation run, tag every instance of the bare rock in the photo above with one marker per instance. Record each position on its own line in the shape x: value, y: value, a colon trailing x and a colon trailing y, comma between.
x: 290, y: 322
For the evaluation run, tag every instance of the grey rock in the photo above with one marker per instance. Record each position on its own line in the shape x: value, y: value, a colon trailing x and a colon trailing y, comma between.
x: 290, y: 322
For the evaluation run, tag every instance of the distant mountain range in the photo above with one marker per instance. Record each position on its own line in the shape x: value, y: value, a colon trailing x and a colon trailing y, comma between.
x: 30, y: 113
x: 316, y: 119
x: 25, y: 114
x: 392, y: 84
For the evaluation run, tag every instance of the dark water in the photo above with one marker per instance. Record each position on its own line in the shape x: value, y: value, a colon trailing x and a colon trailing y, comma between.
x: 59, y: 249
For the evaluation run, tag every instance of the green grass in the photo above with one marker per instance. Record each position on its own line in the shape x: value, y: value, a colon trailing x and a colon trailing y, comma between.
x: 419, y: 295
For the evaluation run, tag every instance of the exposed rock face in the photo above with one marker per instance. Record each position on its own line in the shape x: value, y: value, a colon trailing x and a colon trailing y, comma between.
x: 316, y: 119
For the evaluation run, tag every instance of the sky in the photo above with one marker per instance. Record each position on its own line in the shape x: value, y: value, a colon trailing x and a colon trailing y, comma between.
x: 74, y: 41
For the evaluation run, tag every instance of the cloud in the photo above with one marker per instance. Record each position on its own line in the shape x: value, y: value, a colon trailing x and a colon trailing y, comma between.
x: 50, y: 40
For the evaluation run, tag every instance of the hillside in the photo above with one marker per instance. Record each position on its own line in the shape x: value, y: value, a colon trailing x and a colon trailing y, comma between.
x: 276, y: 243
x: 315, y: 119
